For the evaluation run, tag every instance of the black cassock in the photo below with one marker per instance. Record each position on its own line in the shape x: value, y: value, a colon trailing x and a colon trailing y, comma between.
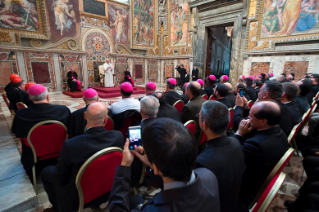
x: 72, y: 85
x: 182, y: 72
x: 126, y: 77
x: 16, y: 95
x: 77, y: 122
x: 195, y: 74
x: 26, y: 118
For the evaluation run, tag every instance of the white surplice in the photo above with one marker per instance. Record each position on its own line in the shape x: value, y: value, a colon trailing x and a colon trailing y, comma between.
x: 108, y: 78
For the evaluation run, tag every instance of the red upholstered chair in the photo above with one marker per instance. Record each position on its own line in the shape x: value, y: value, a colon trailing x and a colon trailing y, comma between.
x: 96, y: 175
x: 179, y: 105
x: 231, y: 116
x: 21, y: 105
x: 275, y: 171
x: 212, y: 97
x: 205, y: 96
x: 46, y: 139
x: 7, y: 101
x: 132, y: 120
x: 250, y: 103
x: 191, y: 126
x: 202, y: 138
x: 269, y: 194
x: 109, y: 124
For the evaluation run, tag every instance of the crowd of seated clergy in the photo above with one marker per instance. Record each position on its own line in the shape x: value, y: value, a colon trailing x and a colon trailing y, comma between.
x: 225, y: 175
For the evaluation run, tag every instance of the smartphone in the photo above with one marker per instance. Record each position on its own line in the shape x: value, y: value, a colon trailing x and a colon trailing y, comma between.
x: 241, y: 92
x: 135, y: 137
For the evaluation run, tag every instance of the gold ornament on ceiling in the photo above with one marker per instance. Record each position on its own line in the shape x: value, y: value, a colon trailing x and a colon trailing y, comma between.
x: 5, y: 37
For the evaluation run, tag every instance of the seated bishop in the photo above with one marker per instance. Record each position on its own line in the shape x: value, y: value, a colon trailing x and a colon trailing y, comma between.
x: 26, y: 118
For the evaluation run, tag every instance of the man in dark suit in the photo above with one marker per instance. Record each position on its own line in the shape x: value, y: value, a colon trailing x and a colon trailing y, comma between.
x: 263, y: 148
x: 166, y: 110
x: 315, y: 87
x: 150, y: 88
x: 223, y: 155
x: 211, y: 85
x: 77, y: 122
x: 171, y: 95
x: 250, y: 91
x: 220, y: 93
x: 257, y: 85
x: 288, y: 99
x: 72, y: 77
x: 165, y: 157
x: 301, y: 101
x: 195, y: 73
x: 26, y: 118
x: 270, y: 91
x: 182, y: 72
x: 16, y: 93
x: 191, y: 109
x: 59, y: 181
x: 230, y: 95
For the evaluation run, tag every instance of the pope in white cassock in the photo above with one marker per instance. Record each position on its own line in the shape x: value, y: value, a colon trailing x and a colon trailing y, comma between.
x: 109, y: 71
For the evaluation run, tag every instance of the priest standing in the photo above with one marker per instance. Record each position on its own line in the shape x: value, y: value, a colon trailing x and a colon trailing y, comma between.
x: 109, y: 71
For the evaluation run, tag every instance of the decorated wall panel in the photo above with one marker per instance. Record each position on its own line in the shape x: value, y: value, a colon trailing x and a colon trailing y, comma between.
x: 168, y: 69
x: 152, y: 70
x: 64, y: 18
x: 144, y: 23
x: 300, y: 68
x: 139, y: 71
x: 178, y: 19
x: 31, y: 57
x: 98, y: 49
x: 8, y: 66
x: 118, y: 17
x: 259, y: 67
x: 281, y: 21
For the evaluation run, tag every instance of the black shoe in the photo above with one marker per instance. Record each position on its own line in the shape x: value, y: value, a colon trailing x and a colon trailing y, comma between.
x: 288, y: 203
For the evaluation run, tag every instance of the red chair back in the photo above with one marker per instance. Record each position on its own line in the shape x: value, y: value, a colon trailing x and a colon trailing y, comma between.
x: 109, y: 124
x: 212, y: 97
x: 250, y: 103
x: 46, y: 139
x: 96, y: 175
x: 179, y: 105
x: 21, y: 105
x: 269, y: 193
x: 132, y: 120
x: 205, y: 96
x: 231, y: 116
x: 202, y: 138
x: 191, y: 126
x: 275, y: 171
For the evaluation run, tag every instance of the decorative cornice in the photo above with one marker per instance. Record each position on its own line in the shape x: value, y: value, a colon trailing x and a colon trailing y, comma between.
x: 69, y: 43
x: 122, y: 49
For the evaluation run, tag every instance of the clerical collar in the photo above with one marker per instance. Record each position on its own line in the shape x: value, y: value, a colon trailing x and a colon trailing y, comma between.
x: 178, y: 184
x: 286, y: 102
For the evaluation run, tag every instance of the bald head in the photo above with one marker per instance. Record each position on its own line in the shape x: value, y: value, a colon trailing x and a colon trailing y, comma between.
x: 268, y: 111
x: 229, y: 86
x: 96, y: 114
x: 193, y: 90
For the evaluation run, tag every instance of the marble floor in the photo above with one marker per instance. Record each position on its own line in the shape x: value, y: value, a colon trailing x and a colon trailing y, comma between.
x: 16, y: 191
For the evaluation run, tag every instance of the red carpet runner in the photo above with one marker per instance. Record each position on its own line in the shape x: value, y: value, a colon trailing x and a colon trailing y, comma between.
x: 104, y: 92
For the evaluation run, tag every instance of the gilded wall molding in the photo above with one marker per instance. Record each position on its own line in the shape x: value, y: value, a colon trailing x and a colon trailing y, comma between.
x: 122, y: 49
x: 65, y: 43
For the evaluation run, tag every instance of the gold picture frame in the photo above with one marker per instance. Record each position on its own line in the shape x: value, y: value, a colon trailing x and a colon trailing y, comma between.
x: 41, y: 33
x: 155, y: 22
x: 91, y: 15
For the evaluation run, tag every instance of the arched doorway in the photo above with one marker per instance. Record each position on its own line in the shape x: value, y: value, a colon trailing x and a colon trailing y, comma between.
x: 98, y: 46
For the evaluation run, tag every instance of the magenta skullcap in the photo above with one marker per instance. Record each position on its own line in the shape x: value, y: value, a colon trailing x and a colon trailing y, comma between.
x: 127, y: 87
x: 266, y: 75
x: 172, y: 81
x: 185, y: 84
x: 151, y: 85
x: 200, y: 81
x: 36, y: 89
x: 251, y: 77
x: 259, y: 75
x: 271, y: 74
x: 225, y: 77
x: 89, y: 93
x: 243, y: 76
x: 212, y: 77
